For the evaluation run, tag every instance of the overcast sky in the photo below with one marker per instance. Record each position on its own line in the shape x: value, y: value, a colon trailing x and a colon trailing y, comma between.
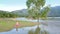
x: 11, y: 5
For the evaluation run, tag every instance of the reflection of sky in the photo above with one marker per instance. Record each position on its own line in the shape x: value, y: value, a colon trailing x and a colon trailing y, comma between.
x: 10, y: 5
x: 23, y: 30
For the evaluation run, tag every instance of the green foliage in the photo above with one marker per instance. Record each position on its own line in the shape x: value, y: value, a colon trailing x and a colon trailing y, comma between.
x: 36, y: 3
x: 5, y: 14
x: 34, y: 8
x: 44, y: 12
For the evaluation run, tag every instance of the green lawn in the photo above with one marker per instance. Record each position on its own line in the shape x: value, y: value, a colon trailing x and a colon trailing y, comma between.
x: 6, y: 25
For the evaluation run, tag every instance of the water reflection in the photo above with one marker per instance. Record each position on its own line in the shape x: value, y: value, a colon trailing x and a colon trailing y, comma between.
x: 17, y: 25
x: 38, y: 31
x: 17, y: 29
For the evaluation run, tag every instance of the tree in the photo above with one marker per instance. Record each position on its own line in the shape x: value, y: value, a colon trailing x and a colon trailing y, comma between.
x: 36, y: 9
x: 6, y: 14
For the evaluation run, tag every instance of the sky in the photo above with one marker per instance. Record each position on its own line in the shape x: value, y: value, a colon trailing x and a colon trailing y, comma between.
x: 11, y: 5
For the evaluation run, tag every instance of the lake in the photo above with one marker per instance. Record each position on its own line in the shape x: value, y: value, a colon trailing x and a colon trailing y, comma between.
x: 23, y: 30
x: 52, y: 26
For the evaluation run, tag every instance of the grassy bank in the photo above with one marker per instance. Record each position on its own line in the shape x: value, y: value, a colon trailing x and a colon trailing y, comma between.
x: 6, y: 25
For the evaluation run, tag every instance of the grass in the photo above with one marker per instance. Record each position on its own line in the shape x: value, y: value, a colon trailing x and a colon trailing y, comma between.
x: 7, y: 25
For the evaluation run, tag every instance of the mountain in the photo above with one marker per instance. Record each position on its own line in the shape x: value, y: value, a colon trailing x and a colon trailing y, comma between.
x: 21, y: 13
x: 54, y: 12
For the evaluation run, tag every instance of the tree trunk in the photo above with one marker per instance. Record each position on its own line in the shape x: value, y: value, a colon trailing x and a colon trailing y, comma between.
x: 38, y: 21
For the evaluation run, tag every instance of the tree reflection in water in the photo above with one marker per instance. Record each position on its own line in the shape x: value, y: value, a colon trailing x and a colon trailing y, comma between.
x: 38, y: 31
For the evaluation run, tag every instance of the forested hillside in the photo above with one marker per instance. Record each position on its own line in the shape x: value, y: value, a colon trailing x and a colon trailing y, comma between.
x: 6, y: 14
x: 54, y: 12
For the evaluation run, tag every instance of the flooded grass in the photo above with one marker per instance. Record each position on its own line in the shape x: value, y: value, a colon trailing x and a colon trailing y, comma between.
x: 6, y: 25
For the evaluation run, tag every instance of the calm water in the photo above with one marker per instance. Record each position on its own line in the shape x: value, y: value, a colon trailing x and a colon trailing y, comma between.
x: 23, y: 30
x: 52, y: 26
